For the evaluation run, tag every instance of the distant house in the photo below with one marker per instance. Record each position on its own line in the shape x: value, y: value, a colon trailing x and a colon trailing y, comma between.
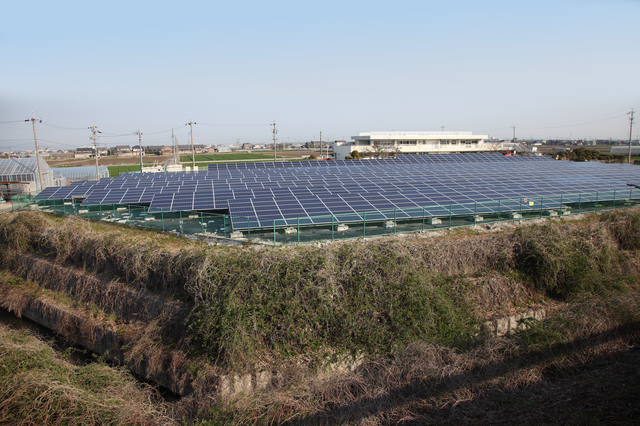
x: 186, y: 149
x: 123, y: 151
x: 159, y: 149
x: 247, y: 146
x: 135, y: 150
x: 84, y: 152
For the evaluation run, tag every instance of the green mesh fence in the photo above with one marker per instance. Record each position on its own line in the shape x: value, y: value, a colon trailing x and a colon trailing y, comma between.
x: 213, y: 227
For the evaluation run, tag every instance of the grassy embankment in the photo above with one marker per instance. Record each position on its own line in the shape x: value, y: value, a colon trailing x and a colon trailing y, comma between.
x: 40, y: 386
x: 413, y: 306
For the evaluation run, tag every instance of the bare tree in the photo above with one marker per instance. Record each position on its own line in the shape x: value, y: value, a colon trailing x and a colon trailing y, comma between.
x: 383, y: 149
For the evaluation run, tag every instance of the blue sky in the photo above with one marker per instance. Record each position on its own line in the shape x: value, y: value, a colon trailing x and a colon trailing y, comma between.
x: 553, y: 69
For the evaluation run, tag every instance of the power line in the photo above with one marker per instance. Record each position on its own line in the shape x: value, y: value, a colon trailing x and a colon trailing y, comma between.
x: 235, y: 125
x: 55, y: 126
x: 574, y: 125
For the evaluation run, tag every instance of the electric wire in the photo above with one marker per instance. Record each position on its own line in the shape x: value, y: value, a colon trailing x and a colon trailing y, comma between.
x: 572, y: 125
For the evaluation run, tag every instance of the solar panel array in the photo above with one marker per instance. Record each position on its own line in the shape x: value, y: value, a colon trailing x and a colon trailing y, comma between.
x: 316, y: 192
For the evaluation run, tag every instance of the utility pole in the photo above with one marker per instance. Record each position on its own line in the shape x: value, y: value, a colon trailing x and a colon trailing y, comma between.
x: 176, y: 147
x: 275, y: 131
x: 321, y: 145
x: 139, y: 133
x: 33, y: 120
x: 514, y: 133
x: 94, y: 132
x: 630, y: 130
x: 193, y: 151
x: 442, y: 127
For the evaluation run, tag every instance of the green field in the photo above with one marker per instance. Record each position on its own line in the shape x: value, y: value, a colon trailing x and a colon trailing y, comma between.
x: 114, y: 171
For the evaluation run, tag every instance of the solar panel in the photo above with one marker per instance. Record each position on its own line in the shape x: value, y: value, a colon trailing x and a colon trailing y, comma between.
x: 334, y: 188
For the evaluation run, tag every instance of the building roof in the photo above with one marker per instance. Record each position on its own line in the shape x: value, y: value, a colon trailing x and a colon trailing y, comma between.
x: 417, y: 135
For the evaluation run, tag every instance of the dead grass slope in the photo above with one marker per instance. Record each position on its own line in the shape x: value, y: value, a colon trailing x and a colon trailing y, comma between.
x: 246, y: 308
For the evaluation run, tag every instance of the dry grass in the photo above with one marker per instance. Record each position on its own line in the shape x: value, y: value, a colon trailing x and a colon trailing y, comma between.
x: 412, y: 379
x: 37, y: 386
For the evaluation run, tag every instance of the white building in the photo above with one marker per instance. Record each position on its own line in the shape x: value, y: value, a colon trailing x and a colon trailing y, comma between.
x: 383, y: 143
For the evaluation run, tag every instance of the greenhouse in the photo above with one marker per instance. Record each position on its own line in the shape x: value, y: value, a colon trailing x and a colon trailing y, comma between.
x: 80, y: 174
x: 18, y: 175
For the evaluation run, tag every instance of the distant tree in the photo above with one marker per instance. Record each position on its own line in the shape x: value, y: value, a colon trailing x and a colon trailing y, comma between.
x: 313, y: 157
x: 383, y: 149
x: 348, y: 157
x: 355, y: 155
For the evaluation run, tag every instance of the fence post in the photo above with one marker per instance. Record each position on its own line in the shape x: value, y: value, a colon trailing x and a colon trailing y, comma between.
x: 579, y: 202
x: 499, y: 205
x: 332, y: 227
x: 450, y: 213
x: 248, y: 228
x: 614, y: 199
x: 274, y: 232
x: 364, y: 225
x: 423, y: 213
x: 520, y: 208
x: 162, y: 214
x: 395, y: 218
x: 224, y: 225
x: 202, y: 223
x: 597, y: 194
x: 298, y: 230
x: 541, y: 205
x: 475, y: 212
